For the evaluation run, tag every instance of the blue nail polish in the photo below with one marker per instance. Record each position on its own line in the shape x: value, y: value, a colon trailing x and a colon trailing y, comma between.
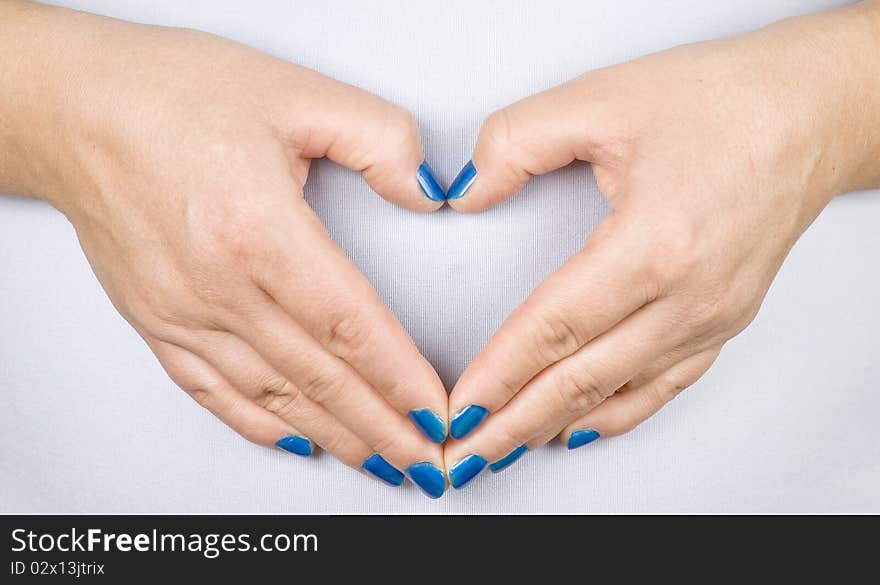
x: 462, y: 181
x: 508, y: 459
x: 465, y: 470
x: 428, y: 477
x: 430, y: 187
x: 295, y: 444
x: 581, y: 438
x: 429, y: 423
x: 467, y: 420
x: 386, y: 472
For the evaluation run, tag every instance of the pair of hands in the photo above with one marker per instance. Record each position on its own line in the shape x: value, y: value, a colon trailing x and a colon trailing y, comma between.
x: 180, y: 158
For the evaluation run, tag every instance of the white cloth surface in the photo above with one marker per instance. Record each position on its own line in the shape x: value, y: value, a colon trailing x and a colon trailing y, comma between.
x: 786, y: 421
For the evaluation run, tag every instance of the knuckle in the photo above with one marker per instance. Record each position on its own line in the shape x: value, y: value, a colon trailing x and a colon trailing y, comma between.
x: 666, y: 388
x: 160, y: 301
x: 273, y: 384
x: 282, y: 398
x: 401, y: 127
x: 177, y: 317
x: 579, y: 391
x: 673, y: 254
x: 707, y: 311
x: 171, y: 300
x: 236, y: 236
x: 509, y: 156
x: 180, y: 369
x: 322, y: 386
x: 497, y: 128
x: 201, y: 394
x: 648, y: 400
x: 557, y: 338
x: 346, y: 333
x: 401, y: 149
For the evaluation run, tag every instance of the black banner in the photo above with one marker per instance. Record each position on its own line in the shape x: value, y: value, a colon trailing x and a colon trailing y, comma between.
x: 120, y: 549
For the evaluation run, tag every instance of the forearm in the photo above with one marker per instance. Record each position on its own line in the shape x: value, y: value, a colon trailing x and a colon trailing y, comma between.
x: 864, y: 105
x: 832, y: 60
x: 25, y: 56
x: 49, y: 69
x: 36, y: 53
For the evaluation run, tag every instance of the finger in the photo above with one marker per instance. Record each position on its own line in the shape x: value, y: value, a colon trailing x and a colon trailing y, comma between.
x: 671, y: 359
x: 322, y: 117
x: 615, y: 411
x: 592, y: 292
x: 515, y: 455
x: 251, y: 376
x: 350, y: 321
x: 332, y: 383
x: 534, y: 136
x: 214, y: 393
x: 625, y: 410
x: 567, y: 390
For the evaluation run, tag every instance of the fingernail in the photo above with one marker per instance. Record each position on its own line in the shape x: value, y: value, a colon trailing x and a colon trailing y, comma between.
x: 465, y: 470
x: 462, y: 181
x: 508, y: 459
x: 430, y: 187
x: 386, y: 472
x: 581, y: 438
x: 427, y: 421
x: 467, y: 420
x: 295, y: 444
x: 428, y: 477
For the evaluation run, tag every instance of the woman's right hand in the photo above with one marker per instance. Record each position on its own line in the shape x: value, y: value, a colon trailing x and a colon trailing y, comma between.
x: 180, y: 159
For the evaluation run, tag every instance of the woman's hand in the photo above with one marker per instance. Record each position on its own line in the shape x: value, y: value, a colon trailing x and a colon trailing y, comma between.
x: 715, y: 158
x: 180, y: 159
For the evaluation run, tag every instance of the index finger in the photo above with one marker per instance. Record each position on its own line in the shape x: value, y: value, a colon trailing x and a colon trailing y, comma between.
x: 600, y: 285
x: 346, y: 316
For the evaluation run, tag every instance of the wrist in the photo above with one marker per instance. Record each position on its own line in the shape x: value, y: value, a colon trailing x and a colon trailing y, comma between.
x: 45, y: 54
x: 19, y: 74
x: 864, y: 100
x: 830, y: 67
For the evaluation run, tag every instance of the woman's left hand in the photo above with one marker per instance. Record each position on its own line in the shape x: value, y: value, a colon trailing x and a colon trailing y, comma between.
x: 715, y: 158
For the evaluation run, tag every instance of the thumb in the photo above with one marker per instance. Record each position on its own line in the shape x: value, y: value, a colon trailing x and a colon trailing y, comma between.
x: 539, y: 134
x: 322, y: 117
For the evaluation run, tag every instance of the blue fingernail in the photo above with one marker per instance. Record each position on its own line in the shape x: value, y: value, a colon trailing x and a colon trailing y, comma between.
x: 429, y: 423
x: 467, y: 420
x: 295, y: 444
x: 581, y: 438
x: 430, y: 187
x: 465, y: 470
x: 428, y: 477
x: 386, y: 472
x: 462, y: 181
x: 508, y: 459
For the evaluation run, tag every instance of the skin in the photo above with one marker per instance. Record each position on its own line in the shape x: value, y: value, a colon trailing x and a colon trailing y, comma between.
x: 715, y: 157
x: 180, y: 159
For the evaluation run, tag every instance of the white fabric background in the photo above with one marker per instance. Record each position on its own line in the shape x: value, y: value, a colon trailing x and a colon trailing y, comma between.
x: 786, y: 421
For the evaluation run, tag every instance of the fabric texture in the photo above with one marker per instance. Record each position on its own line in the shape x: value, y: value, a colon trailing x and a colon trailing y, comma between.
x: 786, y: 421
